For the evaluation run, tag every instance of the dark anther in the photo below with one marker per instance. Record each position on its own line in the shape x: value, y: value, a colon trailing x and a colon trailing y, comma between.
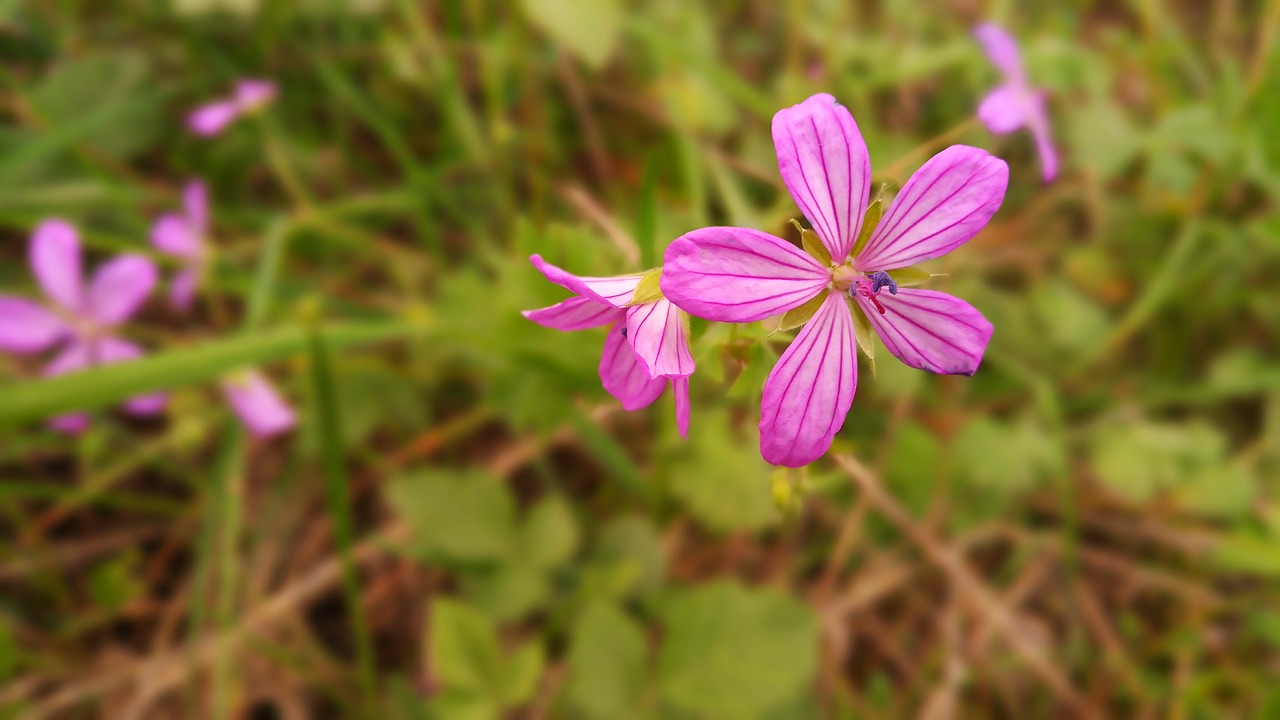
x: 624, y: 331
x: 881, y: 279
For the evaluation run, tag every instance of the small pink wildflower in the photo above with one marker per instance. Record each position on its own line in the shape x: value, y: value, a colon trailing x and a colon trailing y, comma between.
x: 257, y: 404
x: 1015, y: 104
x: 80, y: 320
x: 647, y: 344
x: 249, y: 95
x: 731, y: 274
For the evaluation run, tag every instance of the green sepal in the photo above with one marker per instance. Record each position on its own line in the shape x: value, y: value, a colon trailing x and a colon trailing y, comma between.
x: 910, y: 276
x: 797, y: 316
x: 648, y: 290
x: 863, y: 332
x: 870, y: 220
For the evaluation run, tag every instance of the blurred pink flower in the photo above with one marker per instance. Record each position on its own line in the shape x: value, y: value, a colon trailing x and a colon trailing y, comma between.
x: 249, y: 95
x: 183, y: 236
x: 1015, y: 104
x: 647, y: 343
x: 79, y: 319
x: 730, y: 274
x: 257, y: 404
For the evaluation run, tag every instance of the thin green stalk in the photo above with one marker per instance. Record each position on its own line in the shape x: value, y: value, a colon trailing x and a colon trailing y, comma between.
x: 329, y: 425
x: 219, y: 546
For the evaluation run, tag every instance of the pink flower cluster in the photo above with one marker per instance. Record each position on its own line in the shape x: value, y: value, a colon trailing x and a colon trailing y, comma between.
x: 852, y: 282
x: 82, y: 320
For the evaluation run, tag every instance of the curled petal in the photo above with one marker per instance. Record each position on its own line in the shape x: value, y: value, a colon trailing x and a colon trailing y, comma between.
x: 810, y: 390
x: 824, y: 163
x: 55, y: 260
x: 27, y: 327
x: 946, y: 202
x: 1044, y: 144
x: 659, y: 339
x: 209, y: 120
x: 680, y: 388
x: 182, y: 289
x: 258, y: 405
x: 930, y: 330
x: 114, y: 350
x: 733, y: 274
x: 1001, y: 49
x: 72, y: 424
x: 1003, y: 110
x: 175, y: 235
x: 576, y: 313
x: 616, y: 291
x: 623, y: 376
x: 119, y: 287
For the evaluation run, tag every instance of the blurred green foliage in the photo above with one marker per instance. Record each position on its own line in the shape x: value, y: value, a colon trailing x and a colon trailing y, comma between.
x: 1110, y: 472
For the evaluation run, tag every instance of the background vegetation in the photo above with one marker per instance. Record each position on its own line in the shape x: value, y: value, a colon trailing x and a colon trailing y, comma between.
x: 464, y: 525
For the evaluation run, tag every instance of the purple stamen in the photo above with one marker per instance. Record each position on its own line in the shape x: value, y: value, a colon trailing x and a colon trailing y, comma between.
x: 881, y: 279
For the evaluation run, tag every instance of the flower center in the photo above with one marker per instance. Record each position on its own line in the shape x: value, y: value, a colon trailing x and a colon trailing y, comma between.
x: 868, y: 286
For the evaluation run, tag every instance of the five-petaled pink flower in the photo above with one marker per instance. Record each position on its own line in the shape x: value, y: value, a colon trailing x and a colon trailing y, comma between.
x: 257, y: 404
x: 80, y: 319
x: 647, y: 343
x: 183, y: 236
x: 733, y: 274
x: 1015, y: 104
x: 249, y: 95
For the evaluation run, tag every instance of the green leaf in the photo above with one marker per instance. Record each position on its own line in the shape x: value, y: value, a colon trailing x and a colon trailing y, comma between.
x: 508, y: 591
x: 910, y: 276
x: 588, y: 29
x: 720, y: 477
x: 549, y: 536
x: 648, y: 290
x: 107, y: 385
x: 520, y: 677
x: 869, y: 222
x: 813, y: 245
x: 795, y: 317
x: 465, y: 516
x: 730, y: 652
x: 1247, y: 552
x: 1003, y: 457
x: 606, y: 663
x: 864, y: 334
x: 634, y: 545
x: 464, y: 647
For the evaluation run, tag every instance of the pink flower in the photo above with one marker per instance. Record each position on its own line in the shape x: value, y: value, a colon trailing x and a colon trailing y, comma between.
x: 79, y: 319
x: 738, y: 275
x: 183, y: 236
x: 257, y: 404
x: 249, y: 95
x: 1015, y: 104
x: 647, y: 343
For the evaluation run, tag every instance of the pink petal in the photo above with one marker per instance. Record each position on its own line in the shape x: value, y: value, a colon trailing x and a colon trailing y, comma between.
x: 809, y: 391
x: 680, y: 388
x: 658, y: 337
x: 1001, y: 48
x: 576, y: 313
x: 119, y: 287
x: 182, y: 289
x: 824, y: 163
x: 55, y: 260
x: 195, y: 201
x: 930, y: 330
x: 616, y: 291
x: 623, y: 377
x: 26, y: 326
x: 252, y: 93
x: 1003, y: 110
x: 733, y: 274
x: 1044, y: 144
x: 75, y: 356
x: 209, y: 120
x: 70, y: 424
x: 114, y: 350
x: 258, y: 405
x: 946, y: 202
x: 175, y: 235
